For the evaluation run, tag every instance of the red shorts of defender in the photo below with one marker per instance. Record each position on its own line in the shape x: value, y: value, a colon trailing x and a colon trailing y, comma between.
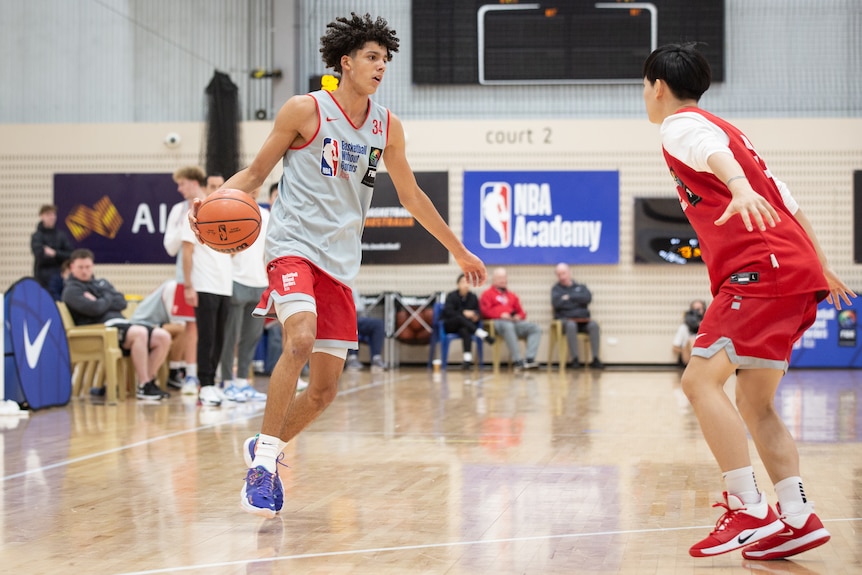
x: 755, y: 332
x: 297, y: 279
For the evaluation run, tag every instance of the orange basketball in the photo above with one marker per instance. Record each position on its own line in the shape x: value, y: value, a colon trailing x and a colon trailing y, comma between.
x: 229, y: 221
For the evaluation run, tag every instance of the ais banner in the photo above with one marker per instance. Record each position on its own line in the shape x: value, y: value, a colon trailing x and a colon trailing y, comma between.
x: 542, y: 217
x: 392, y: 235
x: 121, y: 217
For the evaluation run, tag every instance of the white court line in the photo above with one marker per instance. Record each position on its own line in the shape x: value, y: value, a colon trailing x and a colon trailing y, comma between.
x: 429, y: 546
x: 97, y: 454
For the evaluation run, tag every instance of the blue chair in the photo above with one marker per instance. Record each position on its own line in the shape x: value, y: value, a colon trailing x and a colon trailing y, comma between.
x: 440, y: 336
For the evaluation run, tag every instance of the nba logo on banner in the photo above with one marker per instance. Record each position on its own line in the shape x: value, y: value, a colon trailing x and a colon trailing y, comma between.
x: 329, y: 158
x: 496, y: 215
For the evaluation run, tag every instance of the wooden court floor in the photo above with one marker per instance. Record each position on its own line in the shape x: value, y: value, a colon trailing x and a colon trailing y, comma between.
x: 408, y: 473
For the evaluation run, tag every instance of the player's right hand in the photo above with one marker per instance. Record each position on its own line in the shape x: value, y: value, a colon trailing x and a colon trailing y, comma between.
x: 193, y: 218
x: 838, y: 290
x: 473, y: 268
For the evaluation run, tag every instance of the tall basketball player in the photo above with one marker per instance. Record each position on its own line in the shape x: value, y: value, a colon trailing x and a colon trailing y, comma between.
x: 330, y: 144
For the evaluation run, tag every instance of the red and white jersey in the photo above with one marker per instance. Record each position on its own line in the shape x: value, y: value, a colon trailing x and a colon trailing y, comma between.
x: 326, y: 190
x: 775, y: 262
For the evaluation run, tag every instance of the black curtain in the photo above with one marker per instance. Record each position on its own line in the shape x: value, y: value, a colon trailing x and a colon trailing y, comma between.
x: 222, y: 131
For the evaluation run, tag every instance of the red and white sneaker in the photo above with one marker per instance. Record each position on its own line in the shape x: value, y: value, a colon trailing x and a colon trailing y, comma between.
x: 742, y: 524
x: 790, y: 540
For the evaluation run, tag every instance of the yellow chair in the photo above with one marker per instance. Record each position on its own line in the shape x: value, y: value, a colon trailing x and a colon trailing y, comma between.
x: 96, y: 357
x: 497, y: 347
x: 561, y: 343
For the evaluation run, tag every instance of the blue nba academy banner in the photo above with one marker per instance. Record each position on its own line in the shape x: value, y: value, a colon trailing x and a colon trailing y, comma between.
x: 542, y: 217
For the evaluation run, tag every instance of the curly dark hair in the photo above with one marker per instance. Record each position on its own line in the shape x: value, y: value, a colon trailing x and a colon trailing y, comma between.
x: 346, y: 35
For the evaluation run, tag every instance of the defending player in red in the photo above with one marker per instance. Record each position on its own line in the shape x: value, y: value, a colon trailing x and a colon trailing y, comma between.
x: 767, y: 273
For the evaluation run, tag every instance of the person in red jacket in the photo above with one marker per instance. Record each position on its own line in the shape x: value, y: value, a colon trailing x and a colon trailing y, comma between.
x: 767, y: 273
x: 503, y: 307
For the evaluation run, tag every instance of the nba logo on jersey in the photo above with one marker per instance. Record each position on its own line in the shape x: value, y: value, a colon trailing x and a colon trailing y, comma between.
x: 329, y: 158
x: 496, y: 215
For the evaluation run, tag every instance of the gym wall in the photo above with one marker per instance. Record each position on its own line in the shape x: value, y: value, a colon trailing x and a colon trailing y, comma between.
x: 638, y: 306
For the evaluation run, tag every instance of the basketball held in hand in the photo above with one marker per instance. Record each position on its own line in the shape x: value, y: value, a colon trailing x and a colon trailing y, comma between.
x: 229, y: 221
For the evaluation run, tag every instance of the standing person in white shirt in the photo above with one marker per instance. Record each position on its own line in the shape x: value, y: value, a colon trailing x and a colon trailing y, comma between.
x: 242, y: 330
x: 214, y: 182
x: 207, y: 287
x: 191, y: 182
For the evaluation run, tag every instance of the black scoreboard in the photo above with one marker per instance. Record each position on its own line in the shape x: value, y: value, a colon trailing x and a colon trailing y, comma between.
x: 556, y: 42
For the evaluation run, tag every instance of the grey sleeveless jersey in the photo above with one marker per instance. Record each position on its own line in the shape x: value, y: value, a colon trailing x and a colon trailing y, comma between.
x: 326, y: 189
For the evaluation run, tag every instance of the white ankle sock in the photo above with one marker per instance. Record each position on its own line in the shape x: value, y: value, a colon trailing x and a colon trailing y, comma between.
x: 267, y: 451
x: 741, y: 482
x: 191, y: 370
x: 468, y: 356
x: 791, y: 496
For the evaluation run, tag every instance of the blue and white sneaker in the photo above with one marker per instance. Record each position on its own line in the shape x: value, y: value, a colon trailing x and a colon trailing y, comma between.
x: 248, y: 456
x: 190, y: 385
x: 251, y: 394
x: 258, y: 492
x: 234, y: 393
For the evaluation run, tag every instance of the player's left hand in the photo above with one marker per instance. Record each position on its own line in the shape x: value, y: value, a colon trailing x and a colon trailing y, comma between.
x: 749, y: 204
x: 838, y: 290
x: 473, y: 268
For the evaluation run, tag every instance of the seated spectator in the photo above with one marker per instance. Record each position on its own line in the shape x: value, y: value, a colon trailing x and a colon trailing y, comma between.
x: 461, y: 315
x: 58, y: 282
x: 372, y: 330
x: 93, y: 301
x: 504, y: 308
x: 157, y: 309
x: 570, y: 302
x: 685, y: 334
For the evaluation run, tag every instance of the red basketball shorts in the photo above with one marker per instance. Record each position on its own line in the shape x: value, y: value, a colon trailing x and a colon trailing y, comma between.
x: 174, y: 296
x: 755, y: 332
x: 295, y: 279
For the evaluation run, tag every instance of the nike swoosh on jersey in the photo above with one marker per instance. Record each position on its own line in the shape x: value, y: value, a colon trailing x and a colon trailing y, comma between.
x: 699, y: 335
x: 33, y: 349
x: 328, y: 119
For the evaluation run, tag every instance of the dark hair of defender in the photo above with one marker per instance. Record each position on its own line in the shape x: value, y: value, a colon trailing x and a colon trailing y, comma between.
x: 685, y: 70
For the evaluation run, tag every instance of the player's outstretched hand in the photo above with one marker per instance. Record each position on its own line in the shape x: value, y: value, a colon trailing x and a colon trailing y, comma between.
x: 473, y: 268
x: 749, y: 204
x: 838, y: 290
x: 193, y: 217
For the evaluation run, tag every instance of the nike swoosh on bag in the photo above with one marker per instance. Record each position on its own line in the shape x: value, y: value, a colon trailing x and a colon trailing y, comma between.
x: 33, y: 349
